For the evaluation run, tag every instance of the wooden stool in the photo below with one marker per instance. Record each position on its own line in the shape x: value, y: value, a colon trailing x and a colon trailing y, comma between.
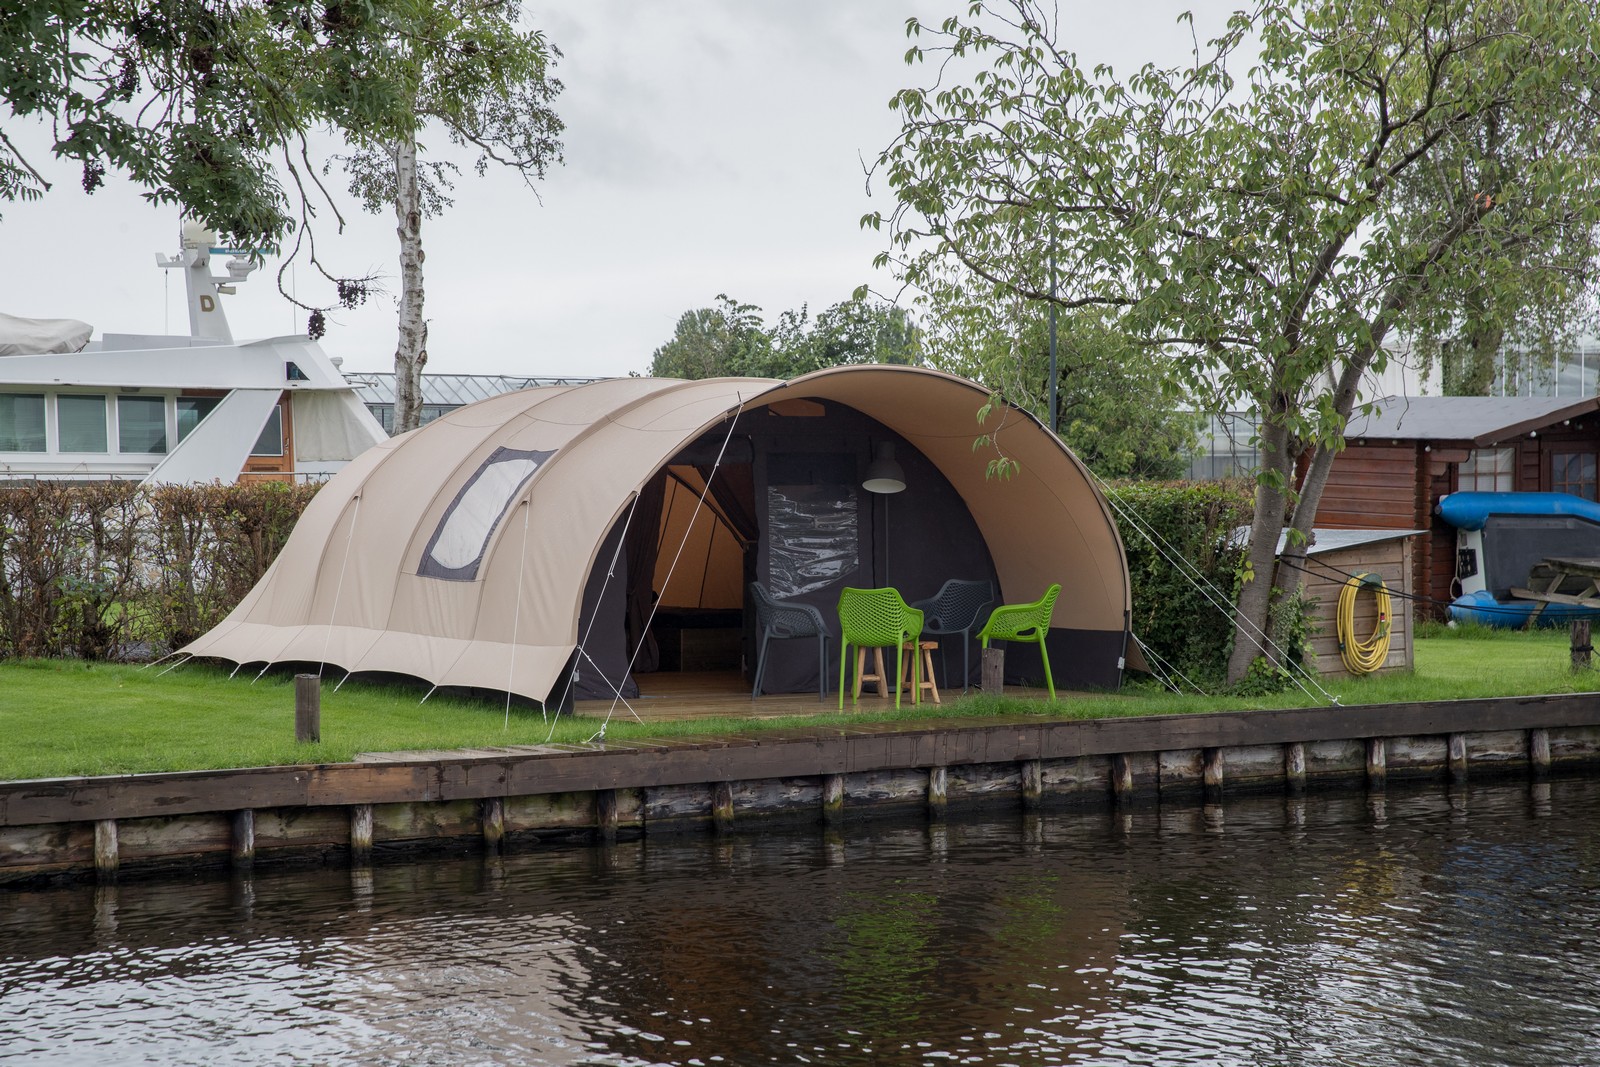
x: 907, y: 651
x: 880, y: 677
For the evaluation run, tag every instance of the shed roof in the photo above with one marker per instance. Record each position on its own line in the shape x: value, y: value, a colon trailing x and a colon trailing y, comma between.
x: 1482, y: 420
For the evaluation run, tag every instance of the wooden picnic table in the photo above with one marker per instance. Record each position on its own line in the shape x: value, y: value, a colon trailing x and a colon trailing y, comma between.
x: 1570, y: 580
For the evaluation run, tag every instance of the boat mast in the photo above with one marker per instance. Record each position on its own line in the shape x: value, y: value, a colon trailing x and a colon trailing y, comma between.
x: 205, y: 308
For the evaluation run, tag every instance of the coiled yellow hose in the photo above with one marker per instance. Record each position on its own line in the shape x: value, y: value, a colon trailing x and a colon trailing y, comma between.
x: 1363, y: 657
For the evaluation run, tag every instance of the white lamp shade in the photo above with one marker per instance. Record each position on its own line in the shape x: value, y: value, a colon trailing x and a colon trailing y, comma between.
x: 883, y: 473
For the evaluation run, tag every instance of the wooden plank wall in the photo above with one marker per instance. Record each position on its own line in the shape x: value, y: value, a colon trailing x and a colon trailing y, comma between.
x: 1372, y: 487
x: 1389, y: 560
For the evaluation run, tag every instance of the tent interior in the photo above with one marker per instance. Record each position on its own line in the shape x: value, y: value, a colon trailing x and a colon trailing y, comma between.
x: 778, y: 500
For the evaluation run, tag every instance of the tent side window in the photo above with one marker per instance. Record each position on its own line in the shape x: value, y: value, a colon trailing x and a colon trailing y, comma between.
x: 455, y: 551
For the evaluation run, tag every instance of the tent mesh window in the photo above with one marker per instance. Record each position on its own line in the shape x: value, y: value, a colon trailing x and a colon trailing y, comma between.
x: 456, y: 549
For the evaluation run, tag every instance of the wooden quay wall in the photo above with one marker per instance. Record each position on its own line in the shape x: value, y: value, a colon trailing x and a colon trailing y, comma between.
x: 106, y: 827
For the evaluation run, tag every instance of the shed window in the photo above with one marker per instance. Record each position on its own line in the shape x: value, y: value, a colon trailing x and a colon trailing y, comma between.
x: 1573, y: 472
x: 21, y: 422
x: 455, y: 551
x: 1487, y: 470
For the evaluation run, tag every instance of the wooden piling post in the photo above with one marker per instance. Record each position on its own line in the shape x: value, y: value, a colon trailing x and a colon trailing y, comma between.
x: 992, y: 677
x: 1539, y: 752
x: 307, y: 708
x: 105, y: 850
x: 1456, y: 749
x: 1582, y: 647
x: 242, y: 847
x: 832, y: 799
x: 1211, y: 775
x: 1294, y: 767
x: 605, y: 814
x: 360, y: 835
x: 493, y: 813
x: 1377, y: 764
x: 938, y: 792
x: 722, y: 807
x: 1121, y: 778
x: 1032, y: 775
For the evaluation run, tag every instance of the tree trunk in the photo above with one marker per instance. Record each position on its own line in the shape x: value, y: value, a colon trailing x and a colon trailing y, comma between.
x: 1255, y: 596
x: 411, y: 353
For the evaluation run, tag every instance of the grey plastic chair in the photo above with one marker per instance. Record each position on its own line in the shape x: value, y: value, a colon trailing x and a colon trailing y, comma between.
x: 959, y: 607
x: 784, y: 619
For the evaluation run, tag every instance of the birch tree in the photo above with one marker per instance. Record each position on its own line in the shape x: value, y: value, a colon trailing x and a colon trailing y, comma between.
x: 466, y: 70
x: 1259, y: 231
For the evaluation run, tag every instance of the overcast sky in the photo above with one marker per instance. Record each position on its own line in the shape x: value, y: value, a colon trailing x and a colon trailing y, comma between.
x: 711, y: 146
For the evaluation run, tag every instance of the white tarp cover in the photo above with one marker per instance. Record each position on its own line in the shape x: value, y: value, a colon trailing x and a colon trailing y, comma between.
x: 350, y: 588
x: 332, y: 425
x: 41, y: 337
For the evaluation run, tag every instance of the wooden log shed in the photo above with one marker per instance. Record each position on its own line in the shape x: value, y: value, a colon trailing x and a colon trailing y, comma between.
x: 1410, y: 451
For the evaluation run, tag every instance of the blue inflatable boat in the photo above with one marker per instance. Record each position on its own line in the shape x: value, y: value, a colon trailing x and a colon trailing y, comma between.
x: 1524, y: 556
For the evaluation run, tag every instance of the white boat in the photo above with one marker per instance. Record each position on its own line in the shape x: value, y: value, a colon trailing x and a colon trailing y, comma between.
x: 167, y: 409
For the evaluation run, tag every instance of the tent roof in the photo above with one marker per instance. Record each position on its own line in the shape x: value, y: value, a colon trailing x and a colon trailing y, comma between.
x: 350, y: 586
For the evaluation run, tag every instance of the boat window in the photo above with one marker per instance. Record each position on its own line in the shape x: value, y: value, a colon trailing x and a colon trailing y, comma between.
x: 293, y: 373
x: 1574, y: 472
x: 1487, y: 470
x: 270, y: 443
x: 81, y: 423
x: 142, y: 424
x: 456, y: 549
x: 21, y: 422
x: 191, y: 409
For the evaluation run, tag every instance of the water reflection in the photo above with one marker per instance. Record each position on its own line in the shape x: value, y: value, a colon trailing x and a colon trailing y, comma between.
x: 1422, y: 927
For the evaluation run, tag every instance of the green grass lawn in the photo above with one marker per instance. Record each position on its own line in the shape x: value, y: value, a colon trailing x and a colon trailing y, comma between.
x: 67, y: 718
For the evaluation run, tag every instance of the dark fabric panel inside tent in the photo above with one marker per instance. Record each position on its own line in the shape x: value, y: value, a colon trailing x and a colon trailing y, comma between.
x: 602, y: 638
x: 912, y: 540
x: 1079, y: 659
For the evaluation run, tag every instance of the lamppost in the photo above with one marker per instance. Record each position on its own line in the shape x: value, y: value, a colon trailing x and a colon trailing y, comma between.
x: 884, y: 478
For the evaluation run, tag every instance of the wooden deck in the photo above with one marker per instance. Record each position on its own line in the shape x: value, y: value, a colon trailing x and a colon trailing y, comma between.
x: 671, y: 695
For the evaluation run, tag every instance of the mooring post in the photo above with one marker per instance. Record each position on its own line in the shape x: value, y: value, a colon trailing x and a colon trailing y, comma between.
x: 1377, y: 764
x: 493, y: 812
x: 105, y: 850
x: 722, y: 807
x: 1294, y: 767
x: 1121, y: 778
x: 307, y: 708
x: 1032, y: 774
x: 605, y: 814
x: 360, y: 835
x: 243, y: 838
x: 938, y: 792
x: 992, y: 677
x: 832, y: 799
x: 1581, y: 645
x: 1457, y: 751
x: 1211, y: 775
x: 1539, y: 752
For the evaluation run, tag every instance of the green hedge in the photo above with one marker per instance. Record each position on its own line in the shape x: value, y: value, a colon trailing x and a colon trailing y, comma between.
x: 106, y: 570
x: 1170, y: 613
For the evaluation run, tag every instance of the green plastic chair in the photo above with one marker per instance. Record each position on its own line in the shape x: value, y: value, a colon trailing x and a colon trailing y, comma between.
x: 876, y: 618
x: 1024, y: 622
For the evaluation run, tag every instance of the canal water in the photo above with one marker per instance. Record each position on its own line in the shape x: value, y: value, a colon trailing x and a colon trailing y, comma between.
x: 1429, y: 927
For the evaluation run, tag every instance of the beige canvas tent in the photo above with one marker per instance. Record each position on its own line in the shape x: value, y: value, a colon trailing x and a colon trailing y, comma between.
x: 554, y: 535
